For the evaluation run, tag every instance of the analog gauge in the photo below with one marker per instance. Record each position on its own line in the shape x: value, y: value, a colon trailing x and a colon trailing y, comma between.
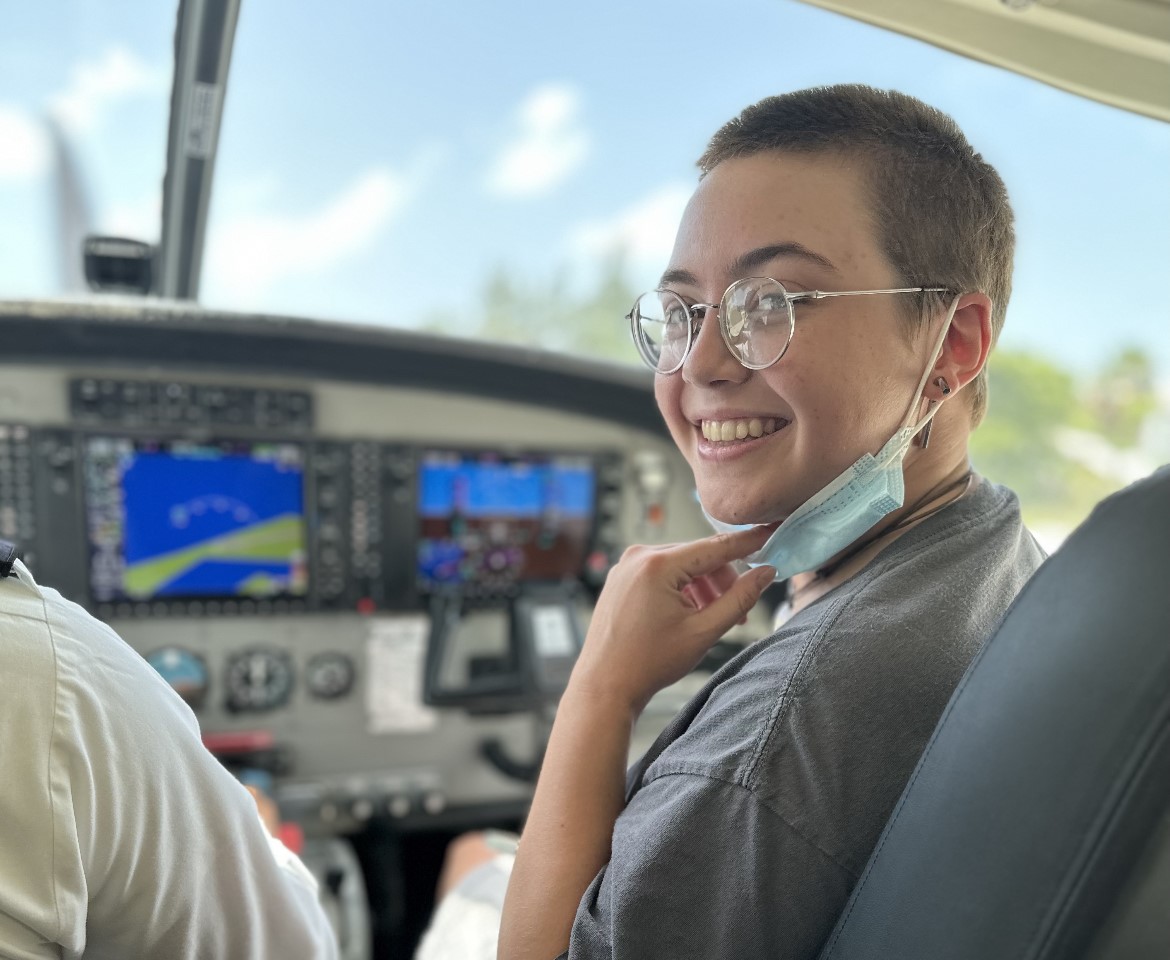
x: 185, y: 671
x: 258, y: 679
x: 329, y: 675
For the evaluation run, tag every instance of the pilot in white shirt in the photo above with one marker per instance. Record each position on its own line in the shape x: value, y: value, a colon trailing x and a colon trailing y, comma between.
x: 120, y: 834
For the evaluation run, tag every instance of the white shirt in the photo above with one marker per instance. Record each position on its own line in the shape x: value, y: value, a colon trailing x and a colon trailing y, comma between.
x: 120, y: 835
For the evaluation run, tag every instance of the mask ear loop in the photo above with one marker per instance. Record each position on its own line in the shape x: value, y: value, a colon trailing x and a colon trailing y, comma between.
x: 933, y: 406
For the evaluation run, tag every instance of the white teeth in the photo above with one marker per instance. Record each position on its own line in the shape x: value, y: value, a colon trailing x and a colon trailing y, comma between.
x: 725, y: 431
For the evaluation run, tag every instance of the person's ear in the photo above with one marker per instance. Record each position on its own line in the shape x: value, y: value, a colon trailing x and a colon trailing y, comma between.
x: 965, y: 349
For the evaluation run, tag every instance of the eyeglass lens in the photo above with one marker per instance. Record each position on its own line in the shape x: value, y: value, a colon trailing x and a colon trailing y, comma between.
x: 755, y: 317
x: 662, y: 330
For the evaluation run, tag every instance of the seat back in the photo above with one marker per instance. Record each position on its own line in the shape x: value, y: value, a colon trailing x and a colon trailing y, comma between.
x: 1139, y: 924
x: 1034, y: 824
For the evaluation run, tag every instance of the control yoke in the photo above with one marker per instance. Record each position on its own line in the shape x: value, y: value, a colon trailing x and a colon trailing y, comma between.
x: 530, y: 674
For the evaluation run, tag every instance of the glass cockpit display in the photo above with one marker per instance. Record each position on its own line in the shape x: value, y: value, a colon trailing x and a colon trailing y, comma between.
x: 488, y: 523
x: 175, y: 519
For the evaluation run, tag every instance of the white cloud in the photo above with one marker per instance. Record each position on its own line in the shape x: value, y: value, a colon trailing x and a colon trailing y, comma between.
x: 249, y: 254
x: 643, y: 232
x: 97, y: 84
x: 550, y: 144
x: 24, y: 146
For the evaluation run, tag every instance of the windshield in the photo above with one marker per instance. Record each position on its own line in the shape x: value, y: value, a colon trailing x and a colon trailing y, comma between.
x: 515, y: 171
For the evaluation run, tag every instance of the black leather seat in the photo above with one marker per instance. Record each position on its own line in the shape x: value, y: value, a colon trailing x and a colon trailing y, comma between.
x: 1036, y: 824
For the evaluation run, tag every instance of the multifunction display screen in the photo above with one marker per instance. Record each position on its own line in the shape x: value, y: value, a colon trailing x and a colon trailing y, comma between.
x: 179, y: 519
x: 489, y: 522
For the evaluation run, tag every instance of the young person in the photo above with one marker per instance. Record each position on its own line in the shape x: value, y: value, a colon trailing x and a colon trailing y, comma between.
x: 819, y: 340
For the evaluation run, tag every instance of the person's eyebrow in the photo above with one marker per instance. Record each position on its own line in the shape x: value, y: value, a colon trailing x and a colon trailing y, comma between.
x: 685, y: 277
x: 754, y: 259
x: 746, y: 263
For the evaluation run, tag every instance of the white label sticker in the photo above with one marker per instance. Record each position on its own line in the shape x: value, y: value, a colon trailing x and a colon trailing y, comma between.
x: 396, y: 651
x: 553, y: 632
x: 202, y: 120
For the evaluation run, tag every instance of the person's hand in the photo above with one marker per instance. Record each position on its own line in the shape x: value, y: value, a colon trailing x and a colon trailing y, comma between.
x: 662, y: 608
x: 267, y: 809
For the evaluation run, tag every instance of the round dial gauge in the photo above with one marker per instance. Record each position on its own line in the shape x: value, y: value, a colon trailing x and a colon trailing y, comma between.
x: 185, y: 671
x: 329, y: 675
x: 258, y: 679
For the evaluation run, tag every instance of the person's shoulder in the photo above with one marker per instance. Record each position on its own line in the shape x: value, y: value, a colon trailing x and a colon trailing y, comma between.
x: 52, y: 642
x: 21, y: 599
x: 983, y: 526
x: 972, y: 557
x: 41, y: 607
x: 27, y: 615
x: 28, y: 661
x: 936, y: 592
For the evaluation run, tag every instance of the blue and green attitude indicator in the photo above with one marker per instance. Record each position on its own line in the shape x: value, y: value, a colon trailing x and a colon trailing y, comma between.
x: 201, y: 520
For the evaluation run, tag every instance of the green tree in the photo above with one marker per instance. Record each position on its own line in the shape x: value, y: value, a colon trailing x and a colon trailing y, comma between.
x: 598, y: 324
x: 1122, y: 395
x: 1034, y: 406
x: 551, y: 316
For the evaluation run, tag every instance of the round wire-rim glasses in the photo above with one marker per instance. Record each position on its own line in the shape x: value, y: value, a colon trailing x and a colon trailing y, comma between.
x: 757, y: 319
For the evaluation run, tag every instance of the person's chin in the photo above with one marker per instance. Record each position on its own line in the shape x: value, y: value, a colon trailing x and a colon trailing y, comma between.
x: 732, y: 510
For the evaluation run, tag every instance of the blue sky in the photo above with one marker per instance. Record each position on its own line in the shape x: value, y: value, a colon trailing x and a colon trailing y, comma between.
x: 378, y: 161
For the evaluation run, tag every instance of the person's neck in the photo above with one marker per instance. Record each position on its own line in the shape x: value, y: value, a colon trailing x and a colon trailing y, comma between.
x: 931, y: 484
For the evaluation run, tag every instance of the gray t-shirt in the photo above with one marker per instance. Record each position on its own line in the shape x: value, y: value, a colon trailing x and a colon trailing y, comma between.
x: 751, y: 817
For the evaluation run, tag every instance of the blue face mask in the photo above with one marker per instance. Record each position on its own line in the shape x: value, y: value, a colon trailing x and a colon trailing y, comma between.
x: 844, y: 509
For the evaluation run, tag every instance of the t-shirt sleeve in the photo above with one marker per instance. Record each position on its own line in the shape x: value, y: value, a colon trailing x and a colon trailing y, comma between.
x: 701, y: 868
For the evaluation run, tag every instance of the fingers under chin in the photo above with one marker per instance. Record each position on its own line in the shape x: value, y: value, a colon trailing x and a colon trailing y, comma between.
x: 705, y: 557
x: 736, y: 603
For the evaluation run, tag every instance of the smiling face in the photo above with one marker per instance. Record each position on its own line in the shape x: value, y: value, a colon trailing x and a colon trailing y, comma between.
x: 847, y: 380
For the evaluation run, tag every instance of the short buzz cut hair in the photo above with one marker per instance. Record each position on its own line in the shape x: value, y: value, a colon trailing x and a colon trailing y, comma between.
x: 940, y: 212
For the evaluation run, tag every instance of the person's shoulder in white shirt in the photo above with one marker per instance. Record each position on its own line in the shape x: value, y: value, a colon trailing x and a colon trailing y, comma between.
x: 120, y: 834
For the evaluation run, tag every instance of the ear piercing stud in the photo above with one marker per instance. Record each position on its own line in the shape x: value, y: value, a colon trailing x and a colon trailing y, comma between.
x: 942, y: 384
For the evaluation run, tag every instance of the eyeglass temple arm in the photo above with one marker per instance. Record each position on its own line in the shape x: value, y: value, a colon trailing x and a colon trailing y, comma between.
x: 821, y: 294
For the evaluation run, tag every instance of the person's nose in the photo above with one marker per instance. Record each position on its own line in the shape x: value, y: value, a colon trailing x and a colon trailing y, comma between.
x: 710, y: 361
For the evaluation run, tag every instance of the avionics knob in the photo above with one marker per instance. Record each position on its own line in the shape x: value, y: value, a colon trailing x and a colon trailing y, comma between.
x: 434, y: 803
x: 399, y: 807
